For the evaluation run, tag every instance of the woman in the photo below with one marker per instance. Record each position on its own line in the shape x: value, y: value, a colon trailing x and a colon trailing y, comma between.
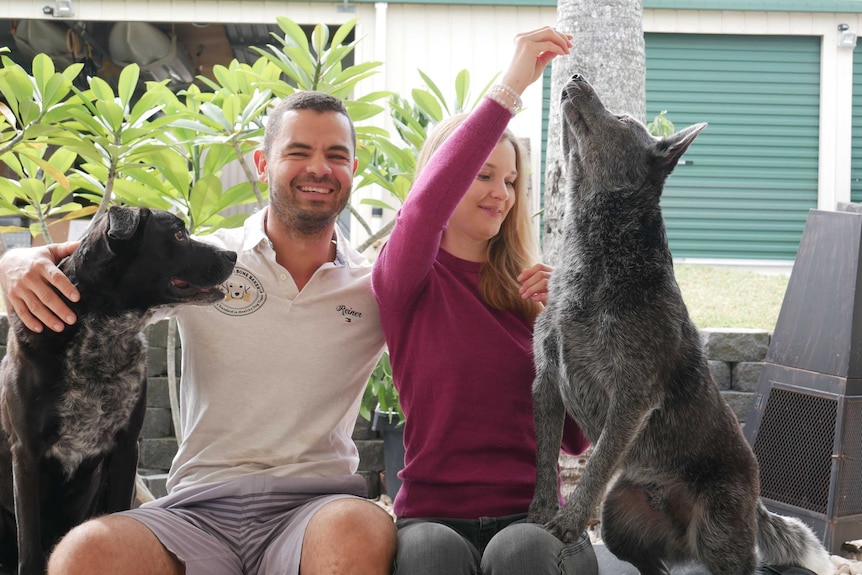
x: 457, y: 311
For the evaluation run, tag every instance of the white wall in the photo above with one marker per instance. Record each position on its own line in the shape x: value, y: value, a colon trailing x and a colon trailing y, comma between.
x: 237, y: 11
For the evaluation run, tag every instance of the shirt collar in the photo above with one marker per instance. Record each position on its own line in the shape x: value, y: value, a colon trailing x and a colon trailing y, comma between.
x: 253, y: 230
x: 254, y: 234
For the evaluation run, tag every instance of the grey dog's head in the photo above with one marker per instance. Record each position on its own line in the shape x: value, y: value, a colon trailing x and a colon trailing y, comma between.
x: 615, y: 151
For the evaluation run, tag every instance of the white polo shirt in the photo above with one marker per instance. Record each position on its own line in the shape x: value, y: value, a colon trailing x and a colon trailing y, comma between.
x: 273, y: 376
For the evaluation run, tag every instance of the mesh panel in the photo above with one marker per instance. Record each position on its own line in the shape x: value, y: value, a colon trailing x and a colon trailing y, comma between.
x: 794, y: 448
x: 849, y: 496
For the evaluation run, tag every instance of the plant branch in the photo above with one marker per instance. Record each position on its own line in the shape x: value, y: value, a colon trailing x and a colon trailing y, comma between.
x: 379, y: 234
x: 359, y: 218
x: 252, y: 177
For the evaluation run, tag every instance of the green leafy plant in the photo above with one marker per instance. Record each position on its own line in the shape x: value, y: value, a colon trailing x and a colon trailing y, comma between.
x: 30, y: 117
x: 74, y: 152
x: 660, y: 126
x: 114, y: 138
x: 380, y: 393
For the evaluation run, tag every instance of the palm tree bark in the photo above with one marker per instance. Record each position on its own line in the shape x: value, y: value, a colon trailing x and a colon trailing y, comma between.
x: 608, y: 50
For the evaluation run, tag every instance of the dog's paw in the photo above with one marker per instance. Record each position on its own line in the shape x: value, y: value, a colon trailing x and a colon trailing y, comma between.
x: 562, y: 531
x: 567, y: 525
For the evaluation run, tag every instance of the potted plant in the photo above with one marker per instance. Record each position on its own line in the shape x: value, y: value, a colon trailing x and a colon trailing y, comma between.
x: 380, y: 406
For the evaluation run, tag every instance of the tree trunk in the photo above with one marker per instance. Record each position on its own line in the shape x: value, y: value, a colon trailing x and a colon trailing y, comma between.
x: 609, y: 52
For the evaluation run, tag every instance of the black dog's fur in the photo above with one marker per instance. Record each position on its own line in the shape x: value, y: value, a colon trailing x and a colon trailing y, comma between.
x: 72, y: 403
x: 615, y: 348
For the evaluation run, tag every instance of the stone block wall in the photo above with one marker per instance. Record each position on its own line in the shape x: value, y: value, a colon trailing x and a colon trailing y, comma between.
x: 735, y: 357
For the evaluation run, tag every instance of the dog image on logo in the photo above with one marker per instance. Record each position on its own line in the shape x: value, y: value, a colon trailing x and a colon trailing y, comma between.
x: 238, y: 290
x: 616, y: 349
x: 72, y: 403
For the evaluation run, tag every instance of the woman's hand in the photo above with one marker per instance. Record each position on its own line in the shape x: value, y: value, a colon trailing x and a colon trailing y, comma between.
x: 534, y: 283
x: 28, y: 277
x: 533, y: 51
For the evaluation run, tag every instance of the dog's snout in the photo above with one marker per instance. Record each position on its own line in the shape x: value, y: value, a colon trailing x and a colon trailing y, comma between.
x: 230, y: 256
x: 574, y: 83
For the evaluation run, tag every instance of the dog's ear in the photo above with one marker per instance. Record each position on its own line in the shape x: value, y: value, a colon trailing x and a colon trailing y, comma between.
x: 674, y: 146
x: 124, y: 222
x: 124, y: 228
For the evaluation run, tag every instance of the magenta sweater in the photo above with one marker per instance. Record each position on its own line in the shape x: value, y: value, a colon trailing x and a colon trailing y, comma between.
x: 463, y: 370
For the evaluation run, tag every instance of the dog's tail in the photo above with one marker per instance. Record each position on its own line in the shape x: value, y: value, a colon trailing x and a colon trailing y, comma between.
x: 788, y: 541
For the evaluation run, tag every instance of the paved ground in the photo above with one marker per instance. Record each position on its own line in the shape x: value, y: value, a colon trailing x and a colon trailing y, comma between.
x: 610, y: 565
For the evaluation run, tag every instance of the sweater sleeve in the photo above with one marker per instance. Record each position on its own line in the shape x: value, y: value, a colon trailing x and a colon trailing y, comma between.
x: 404, y: 263
x: 574, y: 440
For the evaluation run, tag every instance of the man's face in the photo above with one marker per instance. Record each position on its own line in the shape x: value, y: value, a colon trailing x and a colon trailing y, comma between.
x: 309, y: 169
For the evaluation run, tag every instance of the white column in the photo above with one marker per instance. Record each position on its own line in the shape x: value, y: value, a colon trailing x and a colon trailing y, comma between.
x: 843, y: 118
x: 380, y: 44
x: 381, y: 34
x: 836, y: 113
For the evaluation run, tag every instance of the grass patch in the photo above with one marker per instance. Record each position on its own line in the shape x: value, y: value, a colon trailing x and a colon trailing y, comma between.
x: 720, y: 297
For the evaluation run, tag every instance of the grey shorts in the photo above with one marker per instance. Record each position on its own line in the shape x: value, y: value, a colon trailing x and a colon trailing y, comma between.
x: 251, y: 526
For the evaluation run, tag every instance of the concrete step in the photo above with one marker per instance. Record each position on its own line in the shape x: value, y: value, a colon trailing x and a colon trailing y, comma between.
x: 157, y: 423
x: 158, y: 393
x: 157, y: 452
x: 155, y: 481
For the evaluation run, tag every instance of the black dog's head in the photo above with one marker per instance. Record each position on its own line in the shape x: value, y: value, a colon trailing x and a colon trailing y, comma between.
x: 136, y: 258
x: 608, y: 151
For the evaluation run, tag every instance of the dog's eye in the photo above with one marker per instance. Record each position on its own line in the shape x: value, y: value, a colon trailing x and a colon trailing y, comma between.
x: 180, y: 235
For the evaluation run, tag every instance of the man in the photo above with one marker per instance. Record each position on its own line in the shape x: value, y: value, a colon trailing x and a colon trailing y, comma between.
x: 264, y: 480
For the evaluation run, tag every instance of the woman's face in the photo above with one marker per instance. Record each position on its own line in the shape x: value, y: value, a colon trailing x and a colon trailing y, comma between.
x: 482, y: 210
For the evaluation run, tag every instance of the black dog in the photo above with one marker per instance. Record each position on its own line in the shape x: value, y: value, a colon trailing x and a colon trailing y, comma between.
x: 72, y: 403
x: 615, y: 347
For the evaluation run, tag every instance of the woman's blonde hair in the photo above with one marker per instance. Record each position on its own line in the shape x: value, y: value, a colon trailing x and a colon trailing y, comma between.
x: 512, y: 250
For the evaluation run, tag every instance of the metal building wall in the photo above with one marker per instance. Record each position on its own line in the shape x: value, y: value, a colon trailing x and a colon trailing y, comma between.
x: 744, y: 188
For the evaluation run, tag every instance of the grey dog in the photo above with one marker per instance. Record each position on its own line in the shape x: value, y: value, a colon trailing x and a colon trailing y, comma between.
x: 616, y: 349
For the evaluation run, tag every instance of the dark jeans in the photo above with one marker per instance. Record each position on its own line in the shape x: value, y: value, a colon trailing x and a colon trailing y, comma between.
x: 490, y: 546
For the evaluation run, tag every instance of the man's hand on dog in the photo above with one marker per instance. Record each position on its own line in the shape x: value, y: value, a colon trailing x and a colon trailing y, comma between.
x: 29, y: 277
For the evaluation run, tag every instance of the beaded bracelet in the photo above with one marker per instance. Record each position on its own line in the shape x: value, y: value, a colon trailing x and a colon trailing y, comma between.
x: 506, y: 97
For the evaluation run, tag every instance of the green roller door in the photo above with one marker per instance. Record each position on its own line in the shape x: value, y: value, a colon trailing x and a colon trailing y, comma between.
x: 749, y: 180
x: 856, y: 153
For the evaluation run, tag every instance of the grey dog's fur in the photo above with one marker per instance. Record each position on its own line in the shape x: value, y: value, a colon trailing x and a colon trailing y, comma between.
x: 615, y: 348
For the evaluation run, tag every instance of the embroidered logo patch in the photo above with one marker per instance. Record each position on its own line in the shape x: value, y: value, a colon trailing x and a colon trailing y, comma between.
x: 348, y: 314
x: 243, y: 294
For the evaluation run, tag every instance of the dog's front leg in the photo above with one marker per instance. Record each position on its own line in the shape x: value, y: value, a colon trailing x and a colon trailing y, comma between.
x: 122, y: 463
x: 625, y: 421
x: 120, y: 468
x: 28, y: 510
x: 549, y: 414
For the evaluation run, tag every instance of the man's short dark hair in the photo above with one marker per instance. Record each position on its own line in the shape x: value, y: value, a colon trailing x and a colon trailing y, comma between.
x: 303, y: 100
